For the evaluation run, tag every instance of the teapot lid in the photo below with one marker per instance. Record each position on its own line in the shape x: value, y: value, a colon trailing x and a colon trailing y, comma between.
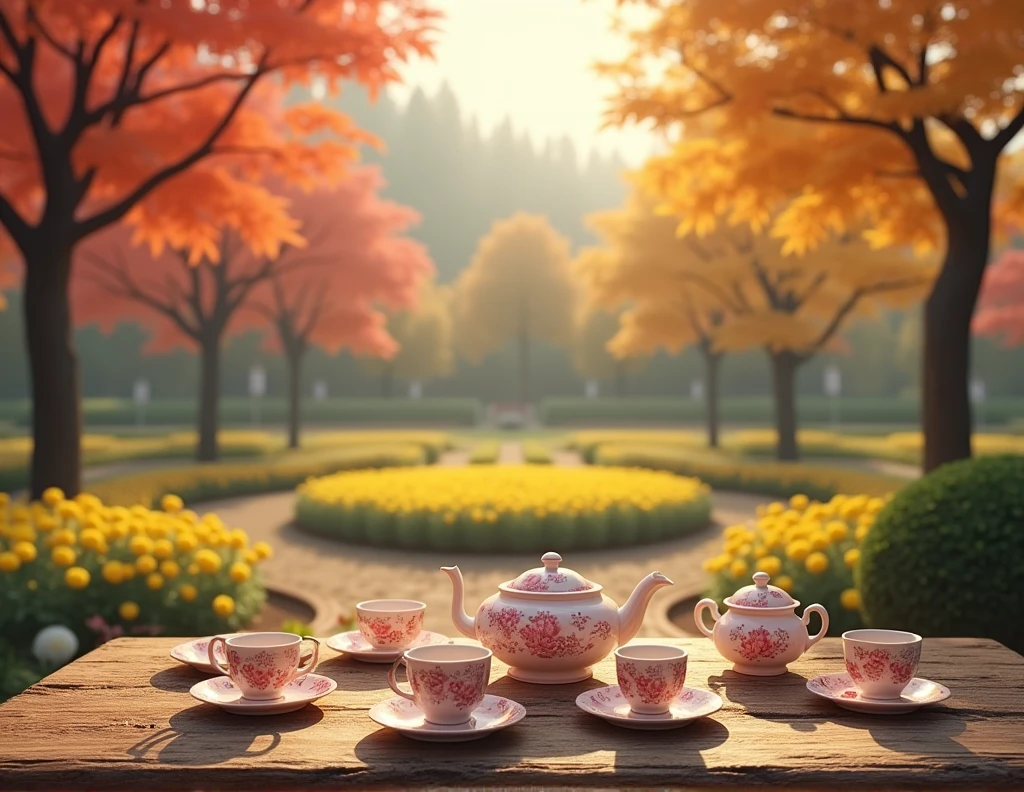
x: 550, y: 578
x: 760, y: 595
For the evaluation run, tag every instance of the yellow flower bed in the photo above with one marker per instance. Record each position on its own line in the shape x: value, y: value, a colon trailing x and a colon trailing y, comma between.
x: 105, y: 570
x: 810, y: 548
x: 503, y: 507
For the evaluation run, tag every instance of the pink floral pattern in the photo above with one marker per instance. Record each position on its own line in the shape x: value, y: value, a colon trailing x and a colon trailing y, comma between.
x: 536, y: 581
x: 650, y: 684
x: 464, y: 688
x: 319, y: 685
x: 761, y: 598
x: 509, y: 630
x: 579, y: 621
x: 759, y: 643
x: 392, y: 631
x: 876, y: 664
x: 261, y: 671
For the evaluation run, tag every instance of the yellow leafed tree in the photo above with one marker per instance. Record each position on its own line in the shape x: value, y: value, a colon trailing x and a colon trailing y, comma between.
x: 592, y: 359
x: 519, y: 288
x: 424, y: 336
x: 891, y: 116
x: 734, y: 289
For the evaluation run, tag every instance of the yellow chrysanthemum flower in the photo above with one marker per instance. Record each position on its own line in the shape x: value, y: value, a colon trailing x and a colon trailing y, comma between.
x: 25, y: 551
x: 155, y: 581
x: 240, y: 572
x: 186, y: 542
x: 77, y: 577
x: 52, y: 496
x: 798, y: 550
x: 128, y: 611
x: 63, y: 556
x: 850, y: 599
x: 9, y: 562
x: 113, y: 572
x: 816, y: 563
x: 208, y: 561
x: 170, y: 569
x: 223, y: 605
x: 837, y: 530
x: 852, y: 557
x: 263, y: 550
x: 146, y: 564
x: 738, y: 568
x: 188, y: 592
x: 141, y: 545
x: 163, y: 548
x: 770, y: 565
x: 784, y: 582
x: 171, y: 504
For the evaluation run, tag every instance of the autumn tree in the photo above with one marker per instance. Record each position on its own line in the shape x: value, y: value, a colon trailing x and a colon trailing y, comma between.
x: 423, y: 337
x: 167, y: 115
x: 735, y: 290
x: 518, y: 287
x: 896, y: 115
x: 329, y: 293
x: 1001, y: 305
x: 594, y: 329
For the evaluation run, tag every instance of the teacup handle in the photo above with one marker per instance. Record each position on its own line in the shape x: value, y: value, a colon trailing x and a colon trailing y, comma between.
x: 303, y: 670
x: 824, y: 622
x: 213, y: 657
x: 393, y: 679
x: 698, y: 615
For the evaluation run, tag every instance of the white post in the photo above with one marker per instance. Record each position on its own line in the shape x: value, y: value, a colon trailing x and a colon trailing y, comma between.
x: 697, y: 390
x: 140, y: 395
x: 415, y: 390
x: 833, y: 389
x: 257, y: 387
x: 977, y: 392
x: 591, y: 389
x: 319, y: 391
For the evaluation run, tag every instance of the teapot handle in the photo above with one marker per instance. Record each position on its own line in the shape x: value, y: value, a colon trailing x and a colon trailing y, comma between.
x: 824, y: 622
x: 698, y: 615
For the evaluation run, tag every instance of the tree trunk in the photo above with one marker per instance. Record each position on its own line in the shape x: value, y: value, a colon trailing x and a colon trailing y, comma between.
x: 295, y: 358
x: 524, y: 367
x: 712, y: 362
x: 946, y: 407
x: 387, y: 381
x: 56, y: 402
x: 784, y: 367
x: 209, y: 397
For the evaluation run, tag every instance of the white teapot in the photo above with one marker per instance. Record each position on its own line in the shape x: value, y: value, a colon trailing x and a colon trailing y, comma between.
x: 550, y: 625
x: 760, y: 633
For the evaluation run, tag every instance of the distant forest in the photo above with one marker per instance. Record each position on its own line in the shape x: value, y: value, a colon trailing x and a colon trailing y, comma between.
x: 461, y: 180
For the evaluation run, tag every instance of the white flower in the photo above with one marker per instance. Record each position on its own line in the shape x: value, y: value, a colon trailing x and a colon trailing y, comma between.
x: 55, y: 645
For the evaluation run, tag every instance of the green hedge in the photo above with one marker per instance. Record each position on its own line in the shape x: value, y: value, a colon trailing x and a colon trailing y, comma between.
x: 752, y: 410
x: 236, y: 412
x: 777, y: 479
x: 196, y: 483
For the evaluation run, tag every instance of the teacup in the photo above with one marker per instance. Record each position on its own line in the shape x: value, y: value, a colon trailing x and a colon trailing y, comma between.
x: 447, y: 681
x: 650, y: 676
x: 261, y: 664
x: 881, y: 662
x: 390, y: 623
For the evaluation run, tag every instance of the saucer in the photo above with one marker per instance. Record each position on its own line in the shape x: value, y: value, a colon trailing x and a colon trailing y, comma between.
x: 222, y: 693
x: 609, y: 703
x: 194, y: 653
x: 840, y: 689
x: 493, y: 714
x: 353, y: 644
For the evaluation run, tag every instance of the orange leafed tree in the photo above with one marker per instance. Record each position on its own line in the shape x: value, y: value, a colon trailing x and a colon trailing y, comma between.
x: 1001, y: 305
x: 167, y: 114
x: 894, y: 115
x: 361, y: 262
x: 322, y: 292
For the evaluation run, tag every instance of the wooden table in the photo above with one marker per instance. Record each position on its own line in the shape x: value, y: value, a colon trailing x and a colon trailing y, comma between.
x: 121, y: 718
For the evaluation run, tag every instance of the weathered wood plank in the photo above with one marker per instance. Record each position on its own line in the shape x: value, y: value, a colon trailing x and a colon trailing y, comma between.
x: 121, y: 718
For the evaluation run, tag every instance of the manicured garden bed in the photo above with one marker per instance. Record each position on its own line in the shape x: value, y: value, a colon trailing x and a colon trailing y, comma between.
x: 503, y: 508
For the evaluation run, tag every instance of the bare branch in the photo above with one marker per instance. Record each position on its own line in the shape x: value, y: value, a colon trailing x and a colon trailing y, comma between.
x: 15, y: 224
x: 881, y: 60
x: 845, y: 118
x: 48, y: 37
x: 1010, y: 131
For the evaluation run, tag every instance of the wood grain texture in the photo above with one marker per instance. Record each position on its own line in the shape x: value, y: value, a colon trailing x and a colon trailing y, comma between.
x: 121, y: 718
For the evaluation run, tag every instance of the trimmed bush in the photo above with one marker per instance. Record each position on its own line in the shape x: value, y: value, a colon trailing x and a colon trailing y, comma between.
x: 946, y: 556
x: 503, y: 508
x: 809, y: 548
x: 485, y: 453
x: 536, y: 453
x: 778, y: 479
x: 196, y: 483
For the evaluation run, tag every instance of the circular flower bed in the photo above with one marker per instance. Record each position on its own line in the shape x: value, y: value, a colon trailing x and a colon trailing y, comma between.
x: 497, y: 508
x: 810, y: 548
x: 104, y: 571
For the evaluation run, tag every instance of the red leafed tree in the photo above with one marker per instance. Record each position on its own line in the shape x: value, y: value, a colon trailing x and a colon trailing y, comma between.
x: 167, y: 114
x: 1001, y: 303
x: 360, y: 261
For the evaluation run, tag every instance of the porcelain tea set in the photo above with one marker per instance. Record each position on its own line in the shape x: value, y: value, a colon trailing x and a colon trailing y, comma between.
x: 550, y: 625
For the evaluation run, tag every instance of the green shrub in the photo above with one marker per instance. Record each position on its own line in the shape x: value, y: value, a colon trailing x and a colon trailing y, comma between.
x: 485, y: 453
x: 536, y: 453
x: 196, y: 483
x: 946, y: 556
x: 777, y: 479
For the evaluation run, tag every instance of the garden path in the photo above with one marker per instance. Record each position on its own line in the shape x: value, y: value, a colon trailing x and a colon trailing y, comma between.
x: 348, y: 574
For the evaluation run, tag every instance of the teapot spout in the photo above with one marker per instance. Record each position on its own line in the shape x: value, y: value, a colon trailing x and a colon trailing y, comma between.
x: 631, y: 615
x: 464, y: 623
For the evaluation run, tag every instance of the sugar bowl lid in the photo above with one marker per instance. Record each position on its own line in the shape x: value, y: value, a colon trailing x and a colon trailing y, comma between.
x: 760, y: 595
x: 551, y: 578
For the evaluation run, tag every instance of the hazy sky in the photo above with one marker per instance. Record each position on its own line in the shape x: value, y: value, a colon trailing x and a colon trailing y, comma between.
x: 530, y: 60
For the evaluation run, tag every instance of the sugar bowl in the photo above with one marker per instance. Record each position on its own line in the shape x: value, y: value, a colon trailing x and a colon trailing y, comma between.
x: 760, y: 634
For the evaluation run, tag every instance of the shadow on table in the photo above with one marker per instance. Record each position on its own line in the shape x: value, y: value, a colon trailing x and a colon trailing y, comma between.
x: 178, y: 679
x: 931, y: 731
x: 203, y: 735
x: 549, y: 734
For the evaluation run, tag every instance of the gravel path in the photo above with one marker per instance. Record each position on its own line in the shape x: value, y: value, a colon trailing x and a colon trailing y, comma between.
x: 348, y: 574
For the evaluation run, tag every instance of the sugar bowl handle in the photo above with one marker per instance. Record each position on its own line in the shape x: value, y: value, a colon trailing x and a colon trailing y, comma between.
x: 698, y: 615
x: 811, y: 641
